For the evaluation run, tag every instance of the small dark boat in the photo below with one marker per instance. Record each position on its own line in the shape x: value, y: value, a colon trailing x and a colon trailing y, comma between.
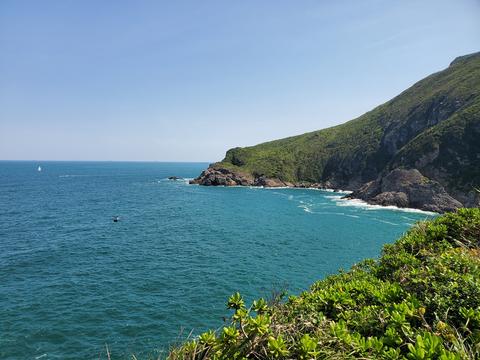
x: 116, y: 218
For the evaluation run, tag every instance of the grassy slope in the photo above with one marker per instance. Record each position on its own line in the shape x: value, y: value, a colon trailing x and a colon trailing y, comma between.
x: 420, y: 300
x: 359, y: 150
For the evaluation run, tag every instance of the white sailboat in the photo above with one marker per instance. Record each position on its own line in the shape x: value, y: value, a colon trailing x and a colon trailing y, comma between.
x: 39, y: 168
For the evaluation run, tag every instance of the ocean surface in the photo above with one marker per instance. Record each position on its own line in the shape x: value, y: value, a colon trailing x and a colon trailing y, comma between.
x: 72, y: 281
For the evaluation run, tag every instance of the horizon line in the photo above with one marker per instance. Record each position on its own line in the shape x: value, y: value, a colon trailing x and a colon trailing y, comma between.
x: 139, y: 161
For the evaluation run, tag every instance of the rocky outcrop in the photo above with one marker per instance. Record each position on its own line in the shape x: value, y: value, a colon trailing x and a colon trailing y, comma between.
x: 220, y: 176
x: 215, y: 176
x: 407, y: 188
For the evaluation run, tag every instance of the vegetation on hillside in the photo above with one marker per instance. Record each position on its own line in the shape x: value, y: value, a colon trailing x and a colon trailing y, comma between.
x: 436, y: 121
x: 420, y: 300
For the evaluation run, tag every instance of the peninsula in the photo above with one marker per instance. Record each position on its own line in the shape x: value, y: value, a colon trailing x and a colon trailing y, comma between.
x: 419, y: 150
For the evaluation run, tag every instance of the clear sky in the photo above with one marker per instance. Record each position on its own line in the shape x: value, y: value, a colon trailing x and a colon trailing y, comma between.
x: 182, y: 80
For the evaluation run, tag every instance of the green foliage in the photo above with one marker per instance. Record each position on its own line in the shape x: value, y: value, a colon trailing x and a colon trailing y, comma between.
x: 260, y: 306
x: 258, y: 325
x: 277, y: 347
x: 307, y: 347
x: 208, y: 338
x: 230, y: 335
x: 420, y: 300
x: 236, y: 302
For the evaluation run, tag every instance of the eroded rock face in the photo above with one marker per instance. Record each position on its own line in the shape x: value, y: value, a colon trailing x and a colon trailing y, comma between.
x: 407, y: 188
x: 427, y: 115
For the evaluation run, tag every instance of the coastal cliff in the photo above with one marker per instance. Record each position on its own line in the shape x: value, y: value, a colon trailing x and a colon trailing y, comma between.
x: 418, y: 150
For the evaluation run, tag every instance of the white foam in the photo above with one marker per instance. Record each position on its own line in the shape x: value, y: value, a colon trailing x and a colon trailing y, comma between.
x: 176, y: 180
x: 338, y: 191
x: 71, y: 175
x: 255, y: 187
x: 338, y: 197
x: 306, y: 208
x: 385, y: 222
x: 365, y: 206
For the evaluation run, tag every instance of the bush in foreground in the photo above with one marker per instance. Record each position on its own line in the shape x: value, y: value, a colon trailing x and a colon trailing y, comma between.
x: 420, y: 300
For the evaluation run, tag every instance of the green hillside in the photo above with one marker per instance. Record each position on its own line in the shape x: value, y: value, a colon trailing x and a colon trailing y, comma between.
x: 432, y: 127
x: 420, y: 300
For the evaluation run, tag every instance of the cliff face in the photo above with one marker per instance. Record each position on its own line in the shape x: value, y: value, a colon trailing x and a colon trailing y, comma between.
x: 432, y: 128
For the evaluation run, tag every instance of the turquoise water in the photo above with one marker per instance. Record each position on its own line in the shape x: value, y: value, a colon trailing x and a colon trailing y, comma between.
x: 72, y: 280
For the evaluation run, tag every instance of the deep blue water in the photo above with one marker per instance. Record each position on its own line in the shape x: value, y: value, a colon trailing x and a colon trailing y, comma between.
x: 72, y: 280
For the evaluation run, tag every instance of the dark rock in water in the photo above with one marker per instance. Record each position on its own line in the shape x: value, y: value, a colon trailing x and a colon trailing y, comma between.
x: 407, y: 188
x: 175, y: 178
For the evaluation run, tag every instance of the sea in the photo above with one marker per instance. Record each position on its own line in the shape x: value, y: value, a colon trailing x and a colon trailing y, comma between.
x: 74, y: 284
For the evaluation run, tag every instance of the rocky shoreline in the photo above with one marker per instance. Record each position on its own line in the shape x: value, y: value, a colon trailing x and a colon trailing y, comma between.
x: 403, y: 188
x: 219, y: 176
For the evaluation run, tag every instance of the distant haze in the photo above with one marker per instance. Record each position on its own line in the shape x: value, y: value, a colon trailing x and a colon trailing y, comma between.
x: 187, y: 80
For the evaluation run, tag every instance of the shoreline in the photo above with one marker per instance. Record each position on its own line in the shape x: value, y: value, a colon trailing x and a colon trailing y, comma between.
x: 400, y: 188
x: 353, y: 202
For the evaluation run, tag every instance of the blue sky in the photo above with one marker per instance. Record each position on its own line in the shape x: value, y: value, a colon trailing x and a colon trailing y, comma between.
x: 186, y: 80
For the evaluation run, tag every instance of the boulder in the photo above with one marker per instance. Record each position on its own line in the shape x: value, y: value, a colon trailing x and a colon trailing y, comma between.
x: 407, y: 188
